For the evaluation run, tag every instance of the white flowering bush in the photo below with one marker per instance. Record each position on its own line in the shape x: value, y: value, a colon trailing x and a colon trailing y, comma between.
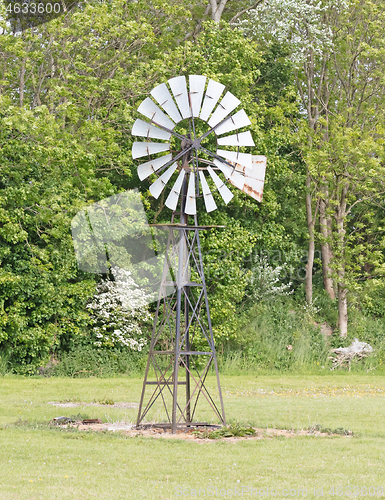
x: 119, y: 308
x: 299, y: 22
x: 265, y: 282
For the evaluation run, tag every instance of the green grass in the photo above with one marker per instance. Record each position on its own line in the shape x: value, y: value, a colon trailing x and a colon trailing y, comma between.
x: 40, y: 462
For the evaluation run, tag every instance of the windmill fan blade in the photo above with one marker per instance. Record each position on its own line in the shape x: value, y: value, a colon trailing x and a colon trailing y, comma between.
x: 258, y: 168
x: 151, y: 110
x: 179, y: 89
x: 162, y: 95
x: 242, y: 139
x: 191, y: 208
x: 255, y: 178
x: 224, y: 191
x: 231, y: 174
x: 207, y: 194
x: 140, y: 149
x: 157, y: 187
x: 144, y: 129
x: 244, y: 159
x: 197, y: 87
x: 172, y: 199
x: 234, y: 122
x: 225, y: 107
x: 213, y: 93
x: 152, y: 166
x: 253, y: 188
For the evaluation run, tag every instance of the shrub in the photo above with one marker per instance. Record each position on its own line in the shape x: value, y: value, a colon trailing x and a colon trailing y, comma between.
x: 119, y: 308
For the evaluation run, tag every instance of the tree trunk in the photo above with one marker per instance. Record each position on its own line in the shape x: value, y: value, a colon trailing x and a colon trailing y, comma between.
x: 22, y: 81
x: 310, y: 103
x: 309, y: 268
x: 342, y: 290
x: 326, y: 251
x: 217, y: 8
x: 342, y: 306
x: 310, y: 257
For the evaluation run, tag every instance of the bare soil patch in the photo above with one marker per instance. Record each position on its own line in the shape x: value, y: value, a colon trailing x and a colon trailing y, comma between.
x: 128, y: 429
x: 74, y: 404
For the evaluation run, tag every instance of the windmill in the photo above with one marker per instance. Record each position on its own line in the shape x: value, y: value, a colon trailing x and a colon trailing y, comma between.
x: 195, y: 163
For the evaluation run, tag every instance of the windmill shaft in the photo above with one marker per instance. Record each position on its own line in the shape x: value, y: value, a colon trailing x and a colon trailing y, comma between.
x: 181, y: 267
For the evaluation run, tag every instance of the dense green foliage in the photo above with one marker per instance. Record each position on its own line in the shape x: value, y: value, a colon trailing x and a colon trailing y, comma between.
x: 69, y: 91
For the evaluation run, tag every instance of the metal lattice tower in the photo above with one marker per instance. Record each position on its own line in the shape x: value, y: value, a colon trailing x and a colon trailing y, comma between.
x: 182, y: 348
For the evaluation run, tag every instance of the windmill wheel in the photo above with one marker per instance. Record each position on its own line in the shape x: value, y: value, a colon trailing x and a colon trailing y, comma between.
x: 196, y: 103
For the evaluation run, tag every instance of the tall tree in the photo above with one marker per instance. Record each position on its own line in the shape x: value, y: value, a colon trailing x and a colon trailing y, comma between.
x: 305, y: 25
x: 338, y: 48
x: 355, y: 146
x: 68, y: 89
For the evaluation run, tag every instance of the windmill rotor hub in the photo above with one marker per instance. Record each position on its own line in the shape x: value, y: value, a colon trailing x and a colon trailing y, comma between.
x: 197, y: 143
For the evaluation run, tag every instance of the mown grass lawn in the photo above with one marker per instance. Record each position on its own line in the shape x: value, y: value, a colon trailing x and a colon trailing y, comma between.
x: 39, y: 462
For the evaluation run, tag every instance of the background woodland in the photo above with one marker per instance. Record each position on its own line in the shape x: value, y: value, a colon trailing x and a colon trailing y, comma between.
x: 310, y: 77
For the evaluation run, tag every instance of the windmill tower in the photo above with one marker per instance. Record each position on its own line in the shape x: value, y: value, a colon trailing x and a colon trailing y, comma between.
x: 195, y: 167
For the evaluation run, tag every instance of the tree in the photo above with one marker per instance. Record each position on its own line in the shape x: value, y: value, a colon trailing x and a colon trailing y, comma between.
x: 338, y: 49
x: 305, y: 26
x: 61, y: 148
x: 355, y: 146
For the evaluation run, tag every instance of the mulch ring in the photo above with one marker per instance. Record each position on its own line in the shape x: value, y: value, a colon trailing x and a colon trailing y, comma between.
x: 201, y: 435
